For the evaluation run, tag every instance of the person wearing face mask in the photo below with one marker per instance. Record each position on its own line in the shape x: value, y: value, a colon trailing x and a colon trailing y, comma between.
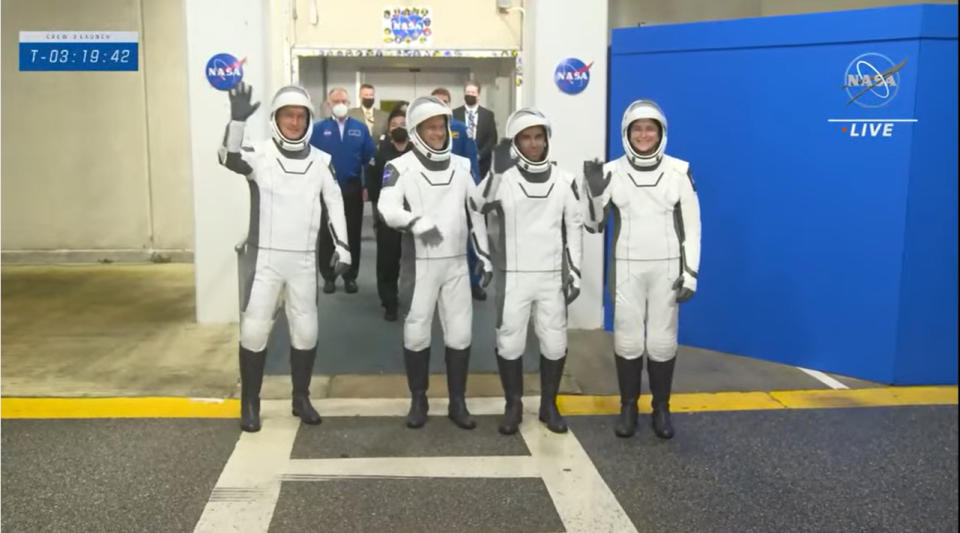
x: 375, y: 119
x: 656, y: 256
x: 481, y: 125
x: 464, y: 145
x: 541, y: 223
x: 348, y: 142
x: 395, y: 143
x: 291, y: 184
x: 429, y: 192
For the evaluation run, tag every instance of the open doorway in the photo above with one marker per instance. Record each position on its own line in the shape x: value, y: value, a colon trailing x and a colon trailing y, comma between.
x: 405, y: 78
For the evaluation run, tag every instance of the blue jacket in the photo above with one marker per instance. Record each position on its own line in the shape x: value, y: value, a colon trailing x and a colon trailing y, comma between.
x: 464, y: 146
x: 352, y: 153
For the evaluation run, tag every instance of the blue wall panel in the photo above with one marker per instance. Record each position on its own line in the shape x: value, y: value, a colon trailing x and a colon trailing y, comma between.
x: 805, y: 228
x: 928, y: 320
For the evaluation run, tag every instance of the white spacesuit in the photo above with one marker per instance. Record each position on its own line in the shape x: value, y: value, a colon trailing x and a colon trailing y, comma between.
x: 541, y: 221
x: 656, y: 257
x: 290, y: 185
x: 428, y: 193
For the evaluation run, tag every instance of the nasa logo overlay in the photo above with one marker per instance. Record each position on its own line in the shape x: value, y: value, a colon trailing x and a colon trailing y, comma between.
x: 572, y: 75
x: 872, y: 80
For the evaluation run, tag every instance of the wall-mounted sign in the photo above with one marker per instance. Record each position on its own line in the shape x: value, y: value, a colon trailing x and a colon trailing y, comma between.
x: 79, y: 50
x: 572, y: 75
x: 224, y: 71
x: 407, y: 26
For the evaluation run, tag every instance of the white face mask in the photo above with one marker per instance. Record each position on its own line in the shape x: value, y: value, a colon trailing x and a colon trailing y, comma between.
x: 339, y: 110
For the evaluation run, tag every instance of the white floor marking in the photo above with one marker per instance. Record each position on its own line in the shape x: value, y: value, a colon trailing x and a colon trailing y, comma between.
x: 246, y: 494
x: 581, y: 497
x: 505, y: 466
x: 825, y: 379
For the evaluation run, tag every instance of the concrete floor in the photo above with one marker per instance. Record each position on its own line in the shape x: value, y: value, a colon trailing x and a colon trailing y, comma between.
x: 868, y: 469
x: 129, y: 330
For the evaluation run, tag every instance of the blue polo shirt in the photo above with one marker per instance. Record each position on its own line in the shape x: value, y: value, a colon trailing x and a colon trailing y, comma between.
x: 464, y: 146
x: 350, y: 153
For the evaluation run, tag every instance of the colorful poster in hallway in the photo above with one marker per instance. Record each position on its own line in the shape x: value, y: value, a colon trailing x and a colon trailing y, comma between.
x: 407, y: 26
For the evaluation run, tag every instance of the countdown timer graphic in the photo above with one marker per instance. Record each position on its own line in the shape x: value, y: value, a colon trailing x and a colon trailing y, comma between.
x: 79, y: 50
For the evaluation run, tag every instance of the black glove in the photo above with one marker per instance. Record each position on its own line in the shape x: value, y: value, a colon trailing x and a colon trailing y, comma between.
x: 503, y: 157
x: 338, y: 267
x: 683, y: 293
x: 240, y: 107
x: 570, y: 290
x: 593, y: 175
x: 432, y: 237
x: 486, y: 276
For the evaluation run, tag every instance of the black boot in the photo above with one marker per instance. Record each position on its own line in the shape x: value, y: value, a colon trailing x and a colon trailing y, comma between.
x: 418, y: 379
x: 301, y: 371
x: 550, y: 374
x: 251, y: 377
x: 628, y: 374
x: 511, y: 377
x: 458, y: 364
x: 661, y: 378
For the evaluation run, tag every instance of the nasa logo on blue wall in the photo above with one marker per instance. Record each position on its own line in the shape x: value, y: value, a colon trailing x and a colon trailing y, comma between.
x: 572, y: 75
x: 872, y: 80
x: 225, y: 71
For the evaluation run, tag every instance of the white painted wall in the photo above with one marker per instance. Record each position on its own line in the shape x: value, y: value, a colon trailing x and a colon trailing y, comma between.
x: 560, y: 29
x: 221, y: 198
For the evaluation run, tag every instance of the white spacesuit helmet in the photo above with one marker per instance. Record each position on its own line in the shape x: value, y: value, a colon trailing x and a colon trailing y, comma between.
x: 636, y: 111
x: 291, y: 95
x: 418, y: 112
x: 520, y: 120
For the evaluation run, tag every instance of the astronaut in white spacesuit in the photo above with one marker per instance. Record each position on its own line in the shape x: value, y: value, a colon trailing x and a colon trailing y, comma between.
x: 291, y: 183
x: 656, y: 217
x: 428, y: 192
x: 541, y: 221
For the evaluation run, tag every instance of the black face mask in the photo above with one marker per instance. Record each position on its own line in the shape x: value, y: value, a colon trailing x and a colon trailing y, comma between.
x: 399, y: 135
x: 470, y: 100
x: 367, y: 102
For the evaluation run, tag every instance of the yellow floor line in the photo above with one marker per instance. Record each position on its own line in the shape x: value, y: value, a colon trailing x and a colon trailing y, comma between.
x: 118, y: 408
x: 19, y: 408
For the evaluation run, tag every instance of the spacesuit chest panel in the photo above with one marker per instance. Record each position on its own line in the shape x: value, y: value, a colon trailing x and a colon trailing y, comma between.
x: 645, y: 201
x: 289, y: 203
x: 441, y: 195
x: 534, y: 216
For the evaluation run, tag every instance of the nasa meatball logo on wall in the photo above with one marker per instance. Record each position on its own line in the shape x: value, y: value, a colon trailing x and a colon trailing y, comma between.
x: 224, y: 71
x: 572, y: 75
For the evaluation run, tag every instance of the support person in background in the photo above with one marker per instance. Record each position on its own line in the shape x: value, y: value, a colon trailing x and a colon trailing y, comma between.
x: 290, y: 185
x: 656, y: 254
x: 481, y: 125
x: 429, y: 192
x: 395, y: 144
x: 465, y: 146
x: 348, y: 141
x: 375, y: 119
x: 541, y: 225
